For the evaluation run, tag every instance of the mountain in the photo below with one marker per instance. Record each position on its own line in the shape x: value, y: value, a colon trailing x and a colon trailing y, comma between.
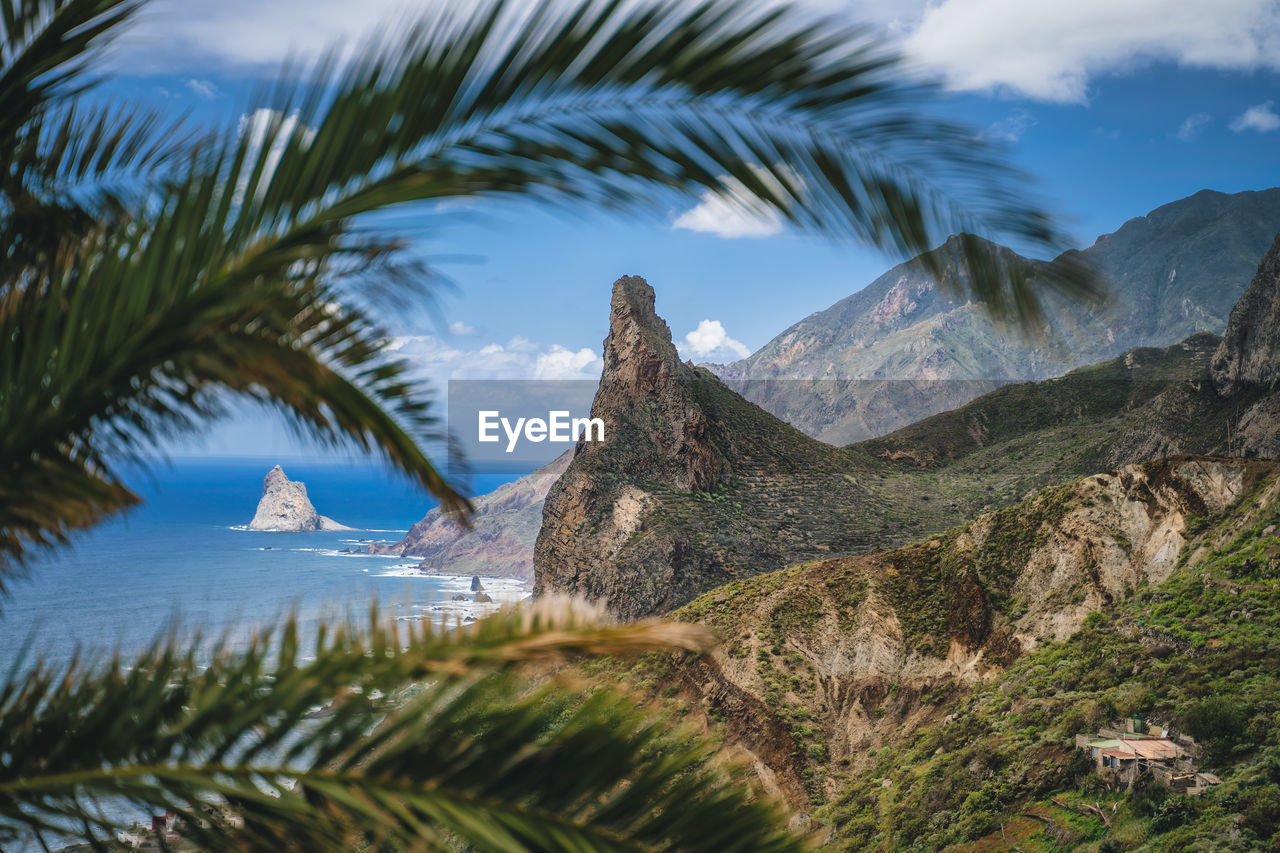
x: 285, y: 507
x: 692, y: 486
x: 934, y: 696
x: 929, y: 697
x: 1250, y: 351
x: 695, y: 487
x: 888, y: 314
x: 904, y: 347
x: 499, y: 542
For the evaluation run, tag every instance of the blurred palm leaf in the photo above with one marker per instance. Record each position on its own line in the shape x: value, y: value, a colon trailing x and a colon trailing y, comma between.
x: 146, y: 279
x: 473, y: 755
x: 250, y: 270
x: 66, y: 163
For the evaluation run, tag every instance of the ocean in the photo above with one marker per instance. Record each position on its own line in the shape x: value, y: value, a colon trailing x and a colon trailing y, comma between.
x: 179, y: 560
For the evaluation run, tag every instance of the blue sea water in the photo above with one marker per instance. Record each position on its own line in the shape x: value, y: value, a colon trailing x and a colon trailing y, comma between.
x: 178, y: 560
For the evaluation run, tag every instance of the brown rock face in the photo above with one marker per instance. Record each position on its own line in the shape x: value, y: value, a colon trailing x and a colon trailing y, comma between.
x: 643, y: 401
x: 691, y: 487
x: 655, y: 433
x: 499, y: 542
x: 285, y: 507
x: 1249, y: 355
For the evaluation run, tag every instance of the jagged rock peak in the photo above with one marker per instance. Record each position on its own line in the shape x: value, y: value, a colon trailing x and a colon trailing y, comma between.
x: 634, y: 325
x: 285, y: 507
x: 658, y: 433
x: 1249, y: 354
x: 644, y: 401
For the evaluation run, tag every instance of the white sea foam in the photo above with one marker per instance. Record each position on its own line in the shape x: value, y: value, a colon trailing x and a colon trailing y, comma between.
x: 445, y: 610
x: 405, y: 570
x: 449, y: 612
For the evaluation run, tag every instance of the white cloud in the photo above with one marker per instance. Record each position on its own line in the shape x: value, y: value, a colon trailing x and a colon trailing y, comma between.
x: 732, y: 214
x: 1011, y: 128
x: 1046, y: 49
x: 736, y: 211
x: 1049, y: 50
x: 203, y: 88
x: 1192, y: 126
x: 457, y: 327
x: 435, y: 361
x: 521, y: 344
x: 561, y: 363
x: 711, y: 341
x: 1259, y: 117
x: 204, y: 33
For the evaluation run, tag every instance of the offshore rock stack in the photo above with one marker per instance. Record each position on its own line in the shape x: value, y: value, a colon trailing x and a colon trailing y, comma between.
x: 285, y: 507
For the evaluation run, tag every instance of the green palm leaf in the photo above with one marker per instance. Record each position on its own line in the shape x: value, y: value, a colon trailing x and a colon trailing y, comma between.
x: 248, y: 273
x: 472, y: 754
x: 65, y: 162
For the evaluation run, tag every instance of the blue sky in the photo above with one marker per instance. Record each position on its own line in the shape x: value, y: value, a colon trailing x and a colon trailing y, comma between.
x: 1114, y: 107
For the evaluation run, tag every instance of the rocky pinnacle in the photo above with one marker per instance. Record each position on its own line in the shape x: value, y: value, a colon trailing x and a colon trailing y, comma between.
x: 285, y: 507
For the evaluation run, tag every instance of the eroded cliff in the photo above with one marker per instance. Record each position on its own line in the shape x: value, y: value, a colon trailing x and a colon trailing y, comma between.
x: 851, y: 654
x: 692, y: 486
x: 499, y: 542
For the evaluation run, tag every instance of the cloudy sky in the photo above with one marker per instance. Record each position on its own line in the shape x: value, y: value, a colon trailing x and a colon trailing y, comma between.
x: 1115, y: 106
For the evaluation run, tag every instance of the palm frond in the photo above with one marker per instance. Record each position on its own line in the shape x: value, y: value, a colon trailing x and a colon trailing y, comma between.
x: 77, y: 167
x: 618, y: 104
x: 244, y: 273
x: 471, y: 753
x: 65, y: 163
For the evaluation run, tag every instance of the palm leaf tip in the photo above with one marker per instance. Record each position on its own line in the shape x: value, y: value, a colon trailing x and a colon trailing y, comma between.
x: 560, y: 623
x: 1014, y: 289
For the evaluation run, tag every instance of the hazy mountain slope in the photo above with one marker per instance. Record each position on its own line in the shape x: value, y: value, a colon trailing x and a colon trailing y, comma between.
x: 499, y: 542
x: 1172, y: 273
x: 1204, y: 395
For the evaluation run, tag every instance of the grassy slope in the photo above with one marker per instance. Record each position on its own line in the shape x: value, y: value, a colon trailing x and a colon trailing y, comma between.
x: 1200, y: 652
x: 996, y: 768
x: 997, y: 449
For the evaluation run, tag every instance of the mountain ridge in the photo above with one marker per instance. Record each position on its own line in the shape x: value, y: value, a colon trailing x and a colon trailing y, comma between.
x: 620, y: 526
x: 903, y: 348
x: 934, y: 696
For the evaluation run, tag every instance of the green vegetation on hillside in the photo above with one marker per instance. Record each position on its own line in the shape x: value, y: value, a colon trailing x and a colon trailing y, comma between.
x: 993, y: 766
x: 1199, y: 653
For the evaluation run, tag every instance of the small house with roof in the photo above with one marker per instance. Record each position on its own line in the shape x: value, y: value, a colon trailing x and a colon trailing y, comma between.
x: 1125, y: 754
